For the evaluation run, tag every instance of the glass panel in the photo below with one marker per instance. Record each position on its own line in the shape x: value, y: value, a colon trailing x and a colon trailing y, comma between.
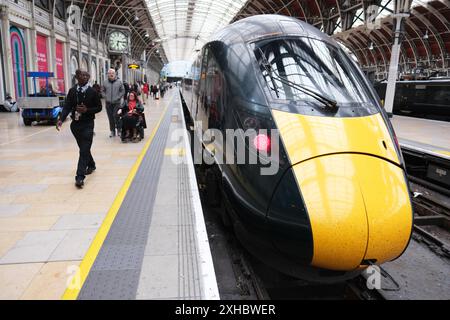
x: 312, y: 64
x: 185, y: 25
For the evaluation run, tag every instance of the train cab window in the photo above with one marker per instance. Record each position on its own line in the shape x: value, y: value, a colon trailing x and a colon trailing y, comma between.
x: 305, y: 73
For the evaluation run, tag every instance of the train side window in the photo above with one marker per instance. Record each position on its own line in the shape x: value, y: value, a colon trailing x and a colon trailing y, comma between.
x: 203, y: 72
x: 214, y: 95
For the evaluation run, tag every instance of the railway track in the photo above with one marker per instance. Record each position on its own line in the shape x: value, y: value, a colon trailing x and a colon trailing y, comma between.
x: 431, y: 219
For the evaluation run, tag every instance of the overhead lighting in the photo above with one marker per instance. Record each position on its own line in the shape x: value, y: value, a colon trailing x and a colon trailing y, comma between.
x: 371, y: 46
x: 147, y: 35
x: 425, y: 36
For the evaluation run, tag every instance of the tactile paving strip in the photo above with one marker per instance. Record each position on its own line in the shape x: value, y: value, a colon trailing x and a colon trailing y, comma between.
x: 116, y: 270
x: 188, y: 282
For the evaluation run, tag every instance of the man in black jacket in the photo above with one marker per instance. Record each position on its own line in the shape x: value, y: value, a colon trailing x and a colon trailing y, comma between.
x: 82, y: 103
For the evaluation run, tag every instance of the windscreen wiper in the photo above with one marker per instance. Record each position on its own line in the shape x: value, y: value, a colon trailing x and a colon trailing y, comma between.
x: 327, y: 102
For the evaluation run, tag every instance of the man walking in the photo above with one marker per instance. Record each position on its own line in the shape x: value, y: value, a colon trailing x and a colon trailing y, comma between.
x: 113, y: 93
x: 82, y: 103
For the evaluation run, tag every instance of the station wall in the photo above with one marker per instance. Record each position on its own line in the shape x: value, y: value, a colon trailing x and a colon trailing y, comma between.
x: 33, y: 40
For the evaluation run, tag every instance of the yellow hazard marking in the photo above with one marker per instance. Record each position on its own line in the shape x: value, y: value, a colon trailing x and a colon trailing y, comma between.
x: 175, y: 152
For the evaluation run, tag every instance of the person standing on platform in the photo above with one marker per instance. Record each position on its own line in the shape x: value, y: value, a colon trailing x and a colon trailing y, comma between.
x: 145, y: 90
x: 114, y: 92
x: 82, y: 103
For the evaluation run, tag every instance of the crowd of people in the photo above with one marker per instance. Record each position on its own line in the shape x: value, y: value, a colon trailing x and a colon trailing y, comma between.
x: 121, y: 96
x: 124, y: 105
x: 117, y: 96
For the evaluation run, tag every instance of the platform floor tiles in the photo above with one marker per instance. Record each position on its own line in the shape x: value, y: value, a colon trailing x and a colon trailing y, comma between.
x: 46, y: 224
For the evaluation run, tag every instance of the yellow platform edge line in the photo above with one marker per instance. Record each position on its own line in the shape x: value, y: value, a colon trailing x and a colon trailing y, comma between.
x: 447, y: 153
x: 77, y: 280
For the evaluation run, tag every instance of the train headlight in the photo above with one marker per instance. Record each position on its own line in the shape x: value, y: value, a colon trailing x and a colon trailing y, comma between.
x: 262, y: 142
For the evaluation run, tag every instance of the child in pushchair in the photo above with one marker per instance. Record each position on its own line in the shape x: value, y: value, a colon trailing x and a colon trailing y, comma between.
x: 132, y: 119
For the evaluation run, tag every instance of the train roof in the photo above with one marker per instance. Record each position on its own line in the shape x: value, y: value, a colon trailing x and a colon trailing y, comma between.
x: 264, y: 26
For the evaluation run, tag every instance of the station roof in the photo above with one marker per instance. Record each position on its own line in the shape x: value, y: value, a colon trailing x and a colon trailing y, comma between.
x: 179, y: 27
x: 184, y: 25
x: 426, y: 31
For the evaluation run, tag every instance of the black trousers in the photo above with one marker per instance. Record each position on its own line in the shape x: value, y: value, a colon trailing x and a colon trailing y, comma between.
x: 111, y: 110
x: 83, y: 131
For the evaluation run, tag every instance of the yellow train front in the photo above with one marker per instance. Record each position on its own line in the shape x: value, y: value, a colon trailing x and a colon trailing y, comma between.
x: 339, y: 199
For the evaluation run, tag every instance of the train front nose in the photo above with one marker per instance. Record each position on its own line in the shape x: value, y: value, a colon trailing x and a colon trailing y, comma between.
x: 352, y: 187
x: 358, y: 208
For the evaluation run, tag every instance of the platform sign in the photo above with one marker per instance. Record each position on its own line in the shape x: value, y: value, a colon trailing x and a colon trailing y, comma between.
x: 40, y: 74
x: 134, y: 66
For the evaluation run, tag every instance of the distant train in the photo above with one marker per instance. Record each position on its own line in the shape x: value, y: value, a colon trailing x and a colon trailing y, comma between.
x: 340, y: 200
x: 421, y: 98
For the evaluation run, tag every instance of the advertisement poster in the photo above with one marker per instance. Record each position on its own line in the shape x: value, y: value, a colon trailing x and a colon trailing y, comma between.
x: 60, y: 66
x: 41, y: 46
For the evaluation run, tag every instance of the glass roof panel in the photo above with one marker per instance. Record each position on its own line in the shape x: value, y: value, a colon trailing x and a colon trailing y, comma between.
x: 185, y: 25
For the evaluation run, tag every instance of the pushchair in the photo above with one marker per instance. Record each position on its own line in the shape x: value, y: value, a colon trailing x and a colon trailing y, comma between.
x: 140, y: 126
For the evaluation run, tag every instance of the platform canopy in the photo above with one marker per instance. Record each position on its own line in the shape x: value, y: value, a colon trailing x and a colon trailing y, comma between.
x: 365, y: 28
x: 171, y: 30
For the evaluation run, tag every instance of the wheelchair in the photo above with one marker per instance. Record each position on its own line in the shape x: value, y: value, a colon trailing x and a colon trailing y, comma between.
x: 140, y: 126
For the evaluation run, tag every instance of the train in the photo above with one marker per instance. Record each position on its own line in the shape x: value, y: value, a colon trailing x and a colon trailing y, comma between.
x: 420, y: 98
x: 339, y: 201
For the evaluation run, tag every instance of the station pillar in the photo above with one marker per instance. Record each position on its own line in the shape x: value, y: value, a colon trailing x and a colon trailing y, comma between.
x: 402, y: 12
x: 6, y: 52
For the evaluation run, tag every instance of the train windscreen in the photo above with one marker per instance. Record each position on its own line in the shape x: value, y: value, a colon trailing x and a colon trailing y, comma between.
x: 310, y: 72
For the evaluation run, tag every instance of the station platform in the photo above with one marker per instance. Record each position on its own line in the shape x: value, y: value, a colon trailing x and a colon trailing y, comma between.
x: 135, y: 231
x: 423, y: 135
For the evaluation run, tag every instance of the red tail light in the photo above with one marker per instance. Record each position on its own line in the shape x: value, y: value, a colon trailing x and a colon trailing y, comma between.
x: 262, y: 142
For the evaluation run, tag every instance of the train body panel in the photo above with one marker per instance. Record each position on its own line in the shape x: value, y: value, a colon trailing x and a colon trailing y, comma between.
x: 307, y: 137
x: 340, y: 170
x: 424, y: 98
x: 359, y: 209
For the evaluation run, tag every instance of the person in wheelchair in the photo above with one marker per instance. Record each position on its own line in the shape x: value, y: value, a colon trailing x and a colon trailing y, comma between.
x: 132, y: 119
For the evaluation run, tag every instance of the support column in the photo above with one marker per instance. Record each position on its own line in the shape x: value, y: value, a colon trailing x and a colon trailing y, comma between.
x: 6, y: 52
x: 67, y: 64
x: 393, y: 66
x: 402, y: 8
x: 51, y: 63
x: 31, y: 53
x: 79, y: 48
x: 89, y: 67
